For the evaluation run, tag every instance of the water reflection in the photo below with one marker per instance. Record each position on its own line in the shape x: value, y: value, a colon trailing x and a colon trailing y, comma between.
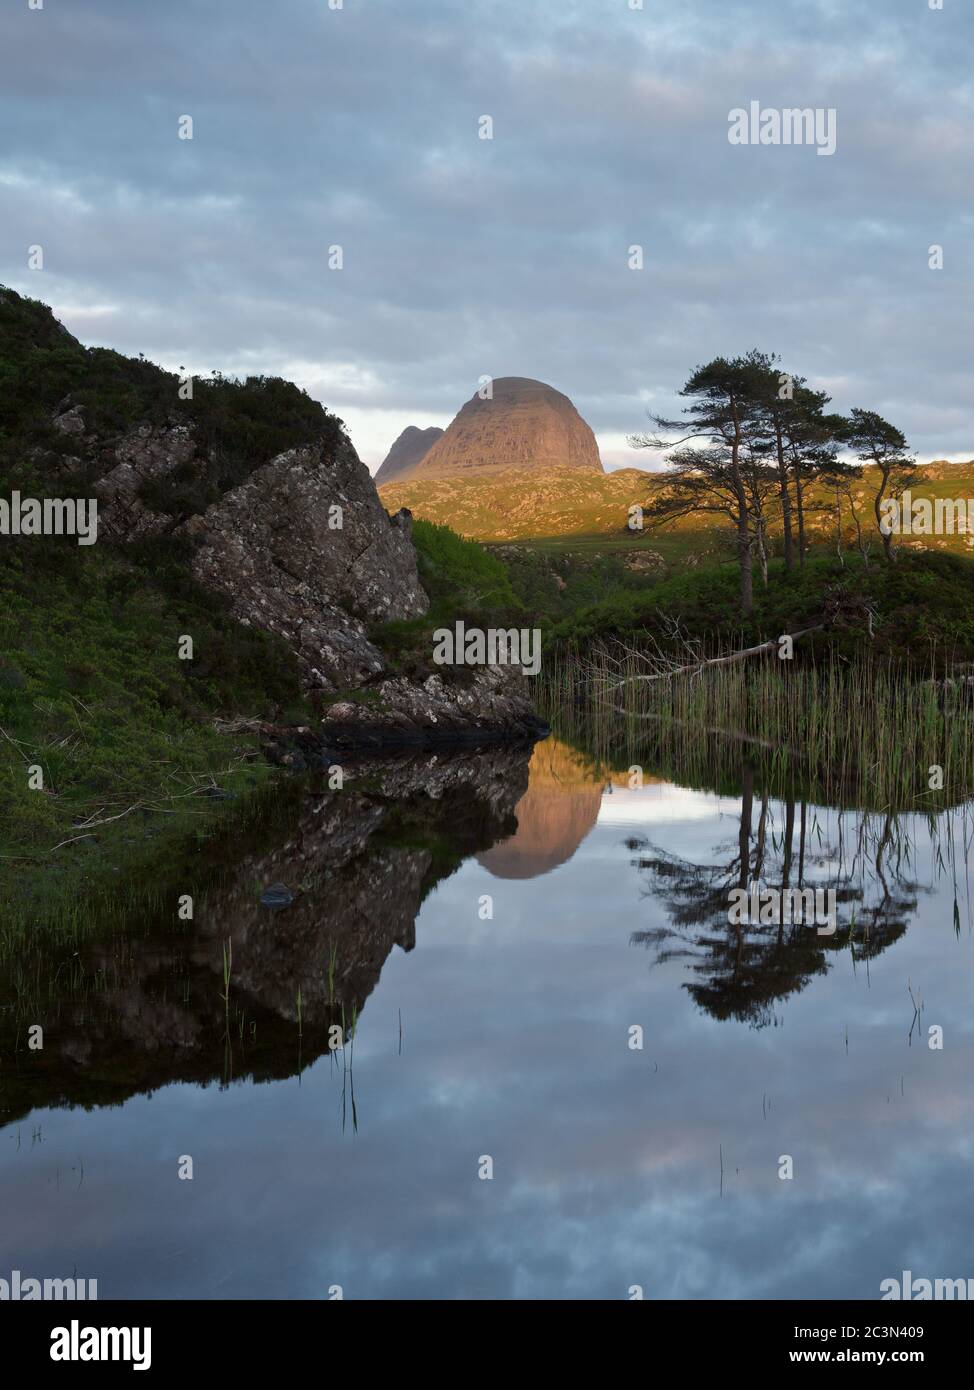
x: 243, y: 990
x: 742, y: 970
x: 558, y: 809
x: 537, y: 921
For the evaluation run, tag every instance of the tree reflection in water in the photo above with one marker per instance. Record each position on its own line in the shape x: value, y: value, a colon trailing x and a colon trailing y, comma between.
x: 741, y: 970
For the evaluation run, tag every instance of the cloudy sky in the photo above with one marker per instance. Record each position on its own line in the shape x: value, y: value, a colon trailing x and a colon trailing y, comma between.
x: 359, y: 127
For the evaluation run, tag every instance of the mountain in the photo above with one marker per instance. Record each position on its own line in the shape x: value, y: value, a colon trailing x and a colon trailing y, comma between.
x: 411, y: 446
x: 522, y: 424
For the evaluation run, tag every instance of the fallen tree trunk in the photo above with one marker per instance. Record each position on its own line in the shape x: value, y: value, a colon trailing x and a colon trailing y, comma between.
x: 694, y: 668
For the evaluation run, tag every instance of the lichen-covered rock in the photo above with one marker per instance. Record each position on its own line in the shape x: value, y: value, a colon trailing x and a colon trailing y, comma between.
x: 302, y: 548
x: 70, y: 420
x: 119, y: 468
x: 142, y: 456
x: 305, y: 549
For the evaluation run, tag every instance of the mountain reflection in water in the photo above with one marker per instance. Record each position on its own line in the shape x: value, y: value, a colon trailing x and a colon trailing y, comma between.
x: 542, y: 909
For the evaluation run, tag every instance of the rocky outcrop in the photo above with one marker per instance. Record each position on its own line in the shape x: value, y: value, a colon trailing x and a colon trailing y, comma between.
x: 143, y: 456
x: 409, y: 449
x: 70, y: 420
x: 304, y: 549
x: 468, y: 705
x: 522, y: 424
x: 319, y: 584
x: 121, y: 471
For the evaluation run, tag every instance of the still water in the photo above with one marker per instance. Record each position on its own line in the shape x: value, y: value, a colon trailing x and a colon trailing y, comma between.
x: 485, y: 934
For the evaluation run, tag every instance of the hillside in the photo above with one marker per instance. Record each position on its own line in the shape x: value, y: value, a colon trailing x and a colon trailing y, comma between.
x: 505, y: 505
x: 142, y: 677
x: 62, y: 406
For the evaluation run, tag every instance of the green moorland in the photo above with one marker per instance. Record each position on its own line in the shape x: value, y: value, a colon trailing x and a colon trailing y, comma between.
x: 557, y: 576
x: 109, y: 745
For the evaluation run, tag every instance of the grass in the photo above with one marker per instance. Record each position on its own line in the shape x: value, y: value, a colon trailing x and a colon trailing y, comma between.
x: 459, y: 573
x: 674, y: 547
x: 464, y: 581
x: 119, y: 730
x: 227, y: 972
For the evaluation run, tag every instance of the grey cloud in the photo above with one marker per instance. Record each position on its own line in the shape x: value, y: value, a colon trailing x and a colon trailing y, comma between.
x: 464, y: 256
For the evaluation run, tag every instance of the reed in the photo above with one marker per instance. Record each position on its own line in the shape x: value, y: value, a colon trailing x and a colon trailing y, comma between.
x: 853, y: 731
x: 227, y: 971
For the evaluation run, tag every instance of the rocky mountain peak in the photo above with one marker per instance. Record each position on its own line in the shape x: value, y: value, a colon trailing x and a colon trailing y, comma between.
x: 522, y: 424
x: 409, y: 449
